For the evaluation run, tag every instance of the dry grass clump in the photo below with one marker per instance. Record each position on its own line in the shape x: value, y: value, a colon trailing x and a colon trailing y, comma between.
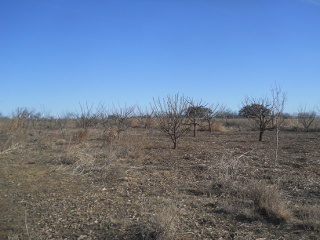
x: 81, y: 135
x: 109, y: 137
x: 100, y: 165
x: 135, y: 143
x: 226, y: 170
x: 291, y: 125
x: 249, y: 197
x: 10, y: 139
x: 215, y: 127
x: 81, y: 161
x: 163, y: 223
x: 235, y: 124
x: 15, y: 124
x: 218, y: 127
x: 133, y: 123
x: 267, y: 201
x: 309, y: 217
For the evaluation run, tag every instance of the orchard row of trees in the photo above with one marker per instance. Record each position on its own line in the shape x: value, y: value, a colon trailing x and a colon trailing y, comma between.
x: 175, y: 115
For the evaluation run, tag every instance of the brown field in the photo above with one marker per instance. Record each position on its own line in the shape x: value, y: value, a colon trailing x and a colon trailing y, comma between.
x: 77, y: 184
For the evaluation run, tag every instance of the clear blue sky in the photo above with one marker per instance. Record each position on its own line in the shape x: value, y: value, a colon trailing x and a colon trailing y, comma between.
x: 57, y: 53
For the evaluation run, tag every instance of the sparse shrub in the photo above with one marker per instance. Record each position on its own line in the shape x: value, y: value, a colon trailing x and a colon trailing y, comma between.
x: 81, y: 135
x: 145, y: 117
x: 227, y: 167
x: 120, y: 117
x: 86, y: 117
x: 11, y: 139
x: 224, y: 174
x: 109, y: 137
x: 133, y: 122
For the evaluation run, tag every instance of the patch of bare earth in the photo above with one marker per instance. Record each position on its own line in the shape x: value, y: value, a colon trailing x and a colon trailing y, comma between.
x: 220, y: 185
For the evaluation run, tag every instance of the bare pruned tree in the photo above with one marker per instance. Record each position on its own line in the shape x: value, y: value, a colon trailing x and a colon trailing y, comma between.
x: 170, y: 114
x: 260, y: 110
x: 305, y: 117
x: 119, y: 116
x: 22, y: 117
x: 211, y: 114
x: 62, y: 121
x: 145, y: 116
x: 279, y: 99
x: 87, y: 117
x: 196, y: 112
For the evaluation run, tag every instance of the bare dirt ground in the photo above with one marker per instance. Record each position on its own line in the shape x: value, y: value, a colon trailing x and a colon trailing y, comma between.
x: 220, y: 185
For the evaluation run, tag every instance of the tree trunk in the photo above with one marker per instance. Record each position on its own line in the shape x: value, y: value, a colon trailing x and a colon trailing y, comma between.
x: 210, y: 126
x: 260, y: 136
x: 195, y: 130
x: 174, y: 144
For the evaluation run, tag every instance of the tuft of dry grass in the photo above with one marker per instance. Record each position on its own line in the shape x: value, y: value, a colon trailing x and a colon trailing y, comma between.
x: 163, y: 223
x: 268, y: 201
x: 100, y: 165
x: 81, y: 135
x: 133, y: 123
x: 218, y: 127
x: 109, y: 137
x: 225, y: 171
x: 309, y: 217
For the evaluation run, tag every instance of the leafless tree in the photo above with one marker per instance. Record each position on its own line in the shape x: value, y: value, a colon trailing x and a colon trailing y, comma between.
x: 305, y: 118
x: 211, y: 114
x: 145, y: 117
x: 62, y: 121
x: 195, y: 113
x: 87, y: 117
x: 22, y: 117
x: 260, y: 110
x: 170, y: 114
x: 106, y: 122
x: 119, y: 116
x: 279, y: 99
x: 43, y: 120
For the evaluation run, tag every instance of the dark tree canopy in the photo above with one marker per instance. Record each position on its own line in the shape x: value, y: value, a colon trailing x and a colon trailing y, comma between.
x: 260, y: 111
x: 255, y: 111
x: 198, y: 111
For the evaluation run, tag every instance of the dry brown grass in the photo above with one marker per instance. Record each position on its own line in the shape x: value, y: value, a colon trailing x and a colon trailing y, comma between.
x: 217, y: 185
x: 100, y: 165
x: 268, y: 201
x: 133, y: 123
x: 162, y: 220
x: 308, y: 217
x: 81, y: 135
x: 218, y: 127
x: 292, y: 124
x: 109, y: 136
